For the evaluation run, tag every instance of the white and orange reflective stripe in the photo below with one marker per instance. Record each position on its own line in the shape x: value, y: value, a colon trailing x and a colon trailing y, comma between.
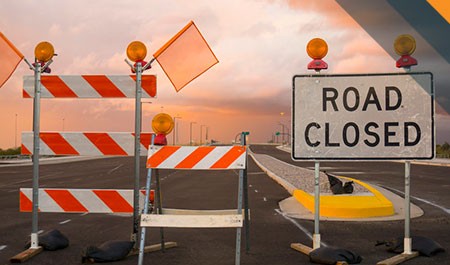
x: 85, y: 143
x: 80, y: 200
x: 193, y: 157
x: 90, y: 86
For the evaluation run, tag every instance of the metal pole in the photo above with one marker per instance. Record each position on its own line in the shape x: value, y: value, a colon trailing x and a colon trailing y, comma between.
x: 35, y: 157
x: 239, y: 211
x: 137, y: 151
x: 407, y: 240
x: 146, y: 202
x: 245, y: 184
x: 15, y: 132
x: 201, y: 133
x: 316, y: 236
x: 190, y: 133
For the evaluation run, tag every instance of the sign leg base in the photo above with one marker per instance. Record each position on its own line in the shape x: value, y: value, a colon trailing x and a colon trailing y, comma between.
x: 306, y: 250
x: 153, y: 248
x: 26, y: 255
x: 398, y: 259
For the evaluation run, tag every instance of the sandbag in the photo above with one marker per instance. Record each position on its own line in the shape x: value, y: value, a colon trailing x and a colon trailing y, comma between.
x: 329, y: 256
x: 112, y: 250
x: 51, y: 240
x: 425, y: 246
x: 337, y: 187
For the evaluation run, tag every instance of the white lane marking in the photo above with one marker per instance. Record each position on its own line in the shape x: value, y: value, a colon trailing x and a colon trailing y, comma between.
x: 83, y: 214
x: 114, y: 169
x: 65, y: 222
x: 40, y: 232
x: 322, y: 168
x: 304, y: 230
x: 265, y: 199
x: 347, y: 172
x: 3, y: 247
x: 256, y: 191
x: 250, y: 186
x: 446, y: 210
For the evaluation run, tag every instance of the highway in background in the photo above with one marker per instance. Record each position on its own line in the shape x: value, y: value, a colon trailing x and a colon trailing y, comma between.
x: 271, y: 233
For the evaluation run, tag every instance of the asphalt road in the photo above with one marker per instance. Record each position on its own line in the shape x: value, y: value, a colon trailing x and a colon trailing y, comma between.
x: 271, y: 233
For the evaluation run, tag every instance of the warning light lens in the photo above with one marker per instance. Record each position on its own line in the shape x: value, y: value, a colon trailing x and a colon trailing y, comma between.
x: 162, y: 123
x: 136, y: 51
x: 317, y: 48
x: 404, y: 45
x: 44, y: 51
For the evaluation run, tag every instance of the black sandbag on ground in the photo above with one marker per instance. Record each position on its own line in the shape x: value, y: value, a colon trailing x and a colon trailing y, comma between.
x: 51, y: 240
x: 425, y: 246
x: 329, y: 256
x: 112, y: 250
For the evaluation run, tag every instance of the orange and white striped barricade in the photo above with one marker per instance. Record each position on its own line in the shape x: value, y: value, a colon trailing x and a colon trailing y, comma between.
x: 86, y: 143
x: 53, y: 200
x: 90, y: 86
x: 197, y: 158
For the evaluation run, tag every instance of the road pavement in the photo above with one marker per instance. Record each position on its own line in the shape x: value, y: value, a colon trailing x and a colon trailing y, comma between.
x: 271, y: 232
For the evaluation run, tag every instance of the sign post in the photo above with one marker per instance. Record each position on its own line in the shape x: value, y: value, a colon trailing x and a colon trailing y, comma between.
x: 43, y: 53
x: 35, y: 157
x: 136, y: 52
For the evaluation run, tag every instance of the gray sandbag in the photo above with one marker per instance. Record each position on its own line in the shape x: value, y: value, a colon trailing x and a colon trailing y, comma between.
x: 51, y: 240
x: 425, y: 246
x: 112, y: 250
x: 329, y: 256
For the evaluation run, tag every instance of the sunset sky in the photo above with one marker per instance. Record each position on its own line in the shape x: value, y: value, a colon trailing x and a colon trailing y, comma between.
x: 260, y: 45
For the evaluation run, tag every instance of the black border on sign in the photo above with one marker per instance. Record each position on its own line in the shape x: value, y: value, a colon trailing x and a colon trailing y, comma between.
x: 362, y: 158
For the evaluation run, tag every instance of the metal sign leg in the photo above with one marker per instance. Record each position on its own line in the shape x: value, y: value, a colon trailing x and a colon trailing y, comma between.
x: 36, y: 133
x: 407, y: 240
x: 316, y: 235
x: 137, y: 151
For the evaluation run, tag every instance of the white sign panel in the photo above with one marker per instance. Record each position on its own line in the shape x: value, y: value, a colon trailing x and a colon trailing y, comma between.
x: 363, y: 117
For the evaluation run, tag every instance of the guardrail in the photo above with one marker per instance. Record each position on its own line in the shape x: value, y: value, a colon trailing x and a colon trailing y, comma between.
x: 10, y: 157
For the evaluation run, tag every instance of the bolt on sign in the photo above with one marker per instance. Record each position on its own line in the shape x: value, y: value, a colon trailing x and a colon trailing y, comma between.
x: 363, y: 117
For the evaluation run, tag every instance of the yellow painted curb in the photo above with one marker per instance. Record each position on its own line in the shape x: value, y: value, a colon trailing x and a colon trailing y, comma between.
x: 349, y: 206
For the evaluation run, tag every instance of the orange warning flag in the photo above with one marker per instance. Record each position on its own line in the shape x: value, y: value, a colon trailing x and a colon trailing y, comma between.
x: 186, y: 56
x: 10, y: 57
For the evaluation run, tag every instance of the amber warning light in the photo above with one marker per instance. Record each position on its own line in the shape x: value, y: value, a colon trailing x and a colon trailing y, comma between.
x: 405, y: 45
x: 162, y: 124
x: 317, y: 49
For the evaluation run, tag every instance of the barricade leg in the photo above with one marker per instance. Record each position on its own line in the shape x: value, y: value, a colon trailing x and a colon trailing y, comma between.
x: 239, y: 210
x: 246, y: 214
x: 245, y: 186
x: 143, y: 229
x: 159, y: 206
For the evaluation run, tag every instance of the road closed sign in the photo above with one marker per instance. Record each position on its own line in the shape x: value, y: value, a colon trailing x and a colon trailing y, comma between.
x: 363, y: 117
